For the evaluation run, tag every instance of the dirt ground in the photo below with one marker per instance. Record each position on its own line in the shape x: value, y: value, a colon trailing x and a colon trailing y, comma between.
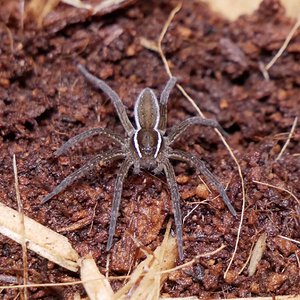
x: 44, y: 101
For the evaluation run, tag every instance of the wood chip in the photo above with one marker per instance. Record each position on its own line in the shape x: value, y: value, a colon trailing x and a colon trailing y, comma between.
x: 96, y: 285
x: 145, y: 282
x: 39, y: 238
x: 257, y: 254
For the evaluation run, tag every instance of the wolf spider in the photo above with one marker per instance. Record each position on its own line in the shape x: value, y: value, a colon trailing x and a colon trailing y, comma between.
x: 145, y: 147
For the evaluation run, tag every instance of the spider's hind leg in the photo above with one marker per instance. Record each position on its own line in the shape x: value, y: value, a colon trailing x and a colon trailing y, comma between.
x: 200, y: 166
x: 175, y: 197
x: 122, y: 173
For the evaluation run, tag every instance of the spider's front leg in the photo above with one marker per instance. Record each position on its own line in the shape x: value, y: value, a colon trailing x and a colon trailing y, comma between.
x: 118, y: 104
x: 88, y: 133
x: 175, y: 197
x: 109, y: 156
x: 164, y: 97
x: 200, y: 165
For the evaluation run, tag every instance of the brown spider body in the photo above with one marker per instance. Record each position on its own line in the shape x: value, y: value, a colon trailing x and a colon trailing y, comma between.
x: 145, y: 147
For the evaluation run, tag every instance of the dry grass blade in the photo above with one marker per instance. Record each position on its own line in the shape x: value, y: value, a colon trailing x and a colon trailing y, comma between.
x: 39, y: 238
x: 22, y: 228
x: 288, y: 139
x: 257, y: 254
x: 161, y: 37
x: 284, y: 45
x: 184, y: 298
x: 95, y: 284
x: 146, y: 280
x: 106, y: 4
x: 232, y: 9
x: 41, y: 8
x: 78, y: 4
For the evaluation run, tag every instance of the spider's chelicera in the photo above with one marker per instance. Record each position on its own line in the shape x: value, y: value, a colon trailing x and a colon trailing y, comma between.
x: 145, y: 147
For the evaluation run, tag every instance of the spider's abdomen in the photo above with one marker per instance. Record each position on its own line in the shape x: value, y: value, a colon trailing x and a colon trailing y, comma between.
x: 147, y: 143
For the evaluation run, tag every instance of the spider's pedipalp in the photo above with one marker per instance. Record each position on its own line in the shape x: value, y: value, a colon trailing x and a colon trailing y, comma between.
x: 99, y: 159
x: 200, y: 165
x: 175, y: 197
x: 91, y: 132
x: 164, y: 97
x: 122, y: 173
x: 177, y: 130
x: 118, y: 104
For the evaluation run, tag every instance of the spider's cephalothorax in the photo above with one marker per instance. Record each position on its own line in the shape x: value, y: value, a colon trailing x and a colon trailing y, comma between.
x: 146, y: 146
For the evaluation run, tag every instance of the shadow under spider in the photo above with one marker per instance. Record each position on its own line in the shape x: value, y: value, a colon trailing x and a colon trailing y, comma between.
x: 145, y: 146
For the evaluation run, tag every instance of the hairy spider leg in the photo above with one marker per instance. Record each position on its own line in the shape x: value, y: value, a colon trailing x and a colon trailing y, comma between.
x: 91, y: 132
x: 177, y: 130
x: 122, y: 173
x: 118, y: 104
x: 200, y: 165
x: 164, y: 97
x: 99, y: 159
x: 175, y: 197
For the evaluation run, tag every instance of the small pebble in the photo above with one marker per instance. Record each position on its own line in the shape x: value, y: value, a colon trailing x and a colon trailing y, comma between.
x: 202, y: 191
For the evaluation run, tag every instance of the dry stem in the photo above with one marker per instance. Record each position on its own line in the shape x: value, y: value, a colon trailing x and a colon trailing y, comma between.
x: 289, y: 239
x: 278, y: 188
x: 288, y: 139
x: 284, y: 45
x: 22, y: 228
x: 160, y: 39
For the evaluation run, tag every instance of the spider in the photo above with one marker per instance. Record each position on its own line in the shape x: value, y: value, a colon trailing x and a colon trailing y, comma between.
x: 145, y: 147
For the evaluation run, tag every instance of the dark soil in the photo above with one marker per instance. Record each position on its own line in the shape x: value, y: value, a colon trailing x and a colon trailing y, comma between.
x: 44, y: 101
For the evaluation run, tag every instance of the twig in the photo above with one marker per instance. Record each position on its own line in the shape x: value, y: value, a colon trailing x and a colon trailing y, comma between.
x: 278, y: 188
x: 298, y: 261
x: 204, y: 184
x: 288, y: 139
x: 284, y: 45
x: 263, y: 70
x: 23, y: 241
x: 289, y: 239
x: 189, y: 213
x: 174, y: 11
x: 161, y: 36
x: 193, y: 260
x: 93, y: 218
x: 22, y: 11
x: 107, y: 265
x: 10, y: 36
x: 248, y: 259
